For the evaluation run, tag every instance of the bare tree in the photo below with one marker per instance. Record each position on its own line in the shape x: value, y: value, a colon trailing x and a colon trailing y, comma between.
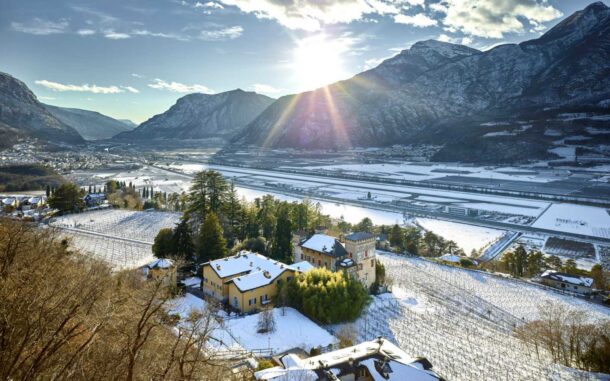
x: 266, y: 321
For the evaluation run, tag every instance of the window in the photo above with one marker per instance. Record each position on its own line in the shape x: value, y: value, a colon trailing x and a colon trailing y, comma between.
x: 366, y: 253
x: 372, y: 263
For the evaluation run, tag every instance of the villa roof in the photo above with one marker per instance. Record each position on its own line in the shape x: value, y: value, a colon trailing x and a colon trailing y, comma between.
x: 325, y: 244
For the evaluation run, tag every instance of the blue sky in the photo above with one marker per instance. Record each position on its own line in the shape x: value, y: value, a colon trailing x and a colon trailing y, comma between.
x: 133, y: 58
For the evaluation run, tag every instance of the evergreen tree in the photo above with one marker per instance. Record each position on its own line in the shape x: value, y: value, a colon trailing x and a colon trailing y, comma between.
x: 520, y: 260
x: 366, y: 225
x: 163, y: 247
x: 599, y: 279
x: 48, y: 191
x: 183, y: 242
x: 396, y: 236
x: 570, y: 266
x: 282, y: 239
x: 211, y: 243
x: 535, y: 263
x: 67, y: 198
x: 90, y: 189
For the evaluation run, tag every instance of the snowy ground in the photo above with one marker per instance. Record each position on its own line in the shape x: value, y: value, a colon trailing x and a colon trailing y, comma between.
x: 467, y: 237
x: 578, y: 219
x: 292, y: 329
x: 462, y: 321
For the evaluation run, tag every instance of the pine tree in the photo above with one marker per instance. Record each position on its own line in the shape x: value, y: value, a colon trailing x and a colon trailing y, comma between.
x: 183, y: 242
x: 48, y: 191
x: 211, y: 243
x: 282, y: 239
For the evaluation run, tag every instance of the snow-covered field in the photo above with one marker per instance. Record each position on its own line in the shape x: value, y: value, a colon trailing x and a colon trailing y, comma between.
x: 578, y: 219
x: 462, y: 321
x: 467, y: 237
x: 122, y: 238
x: 117, y: 252
x: 135, y: 225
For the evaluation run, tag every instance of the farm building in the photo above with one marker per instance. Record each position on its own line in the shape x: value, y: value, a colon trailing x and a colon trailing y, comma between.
x: 356, y: 256
x: 370, y: 360
x: 567, y: 282
x: 247, y: 281
x: 94, y: 199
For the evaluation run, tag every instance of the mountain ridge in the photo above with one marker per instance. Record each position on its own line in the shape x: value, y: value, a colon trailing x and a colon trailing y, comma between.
x: 566, y: 66
x: 91, y: 125
x: 199, y: 116
x: 22, y: 113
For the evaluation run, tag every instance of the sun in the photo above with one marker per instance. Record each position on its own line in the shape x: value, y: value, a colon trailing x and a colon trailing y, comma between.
x: 317, y: 62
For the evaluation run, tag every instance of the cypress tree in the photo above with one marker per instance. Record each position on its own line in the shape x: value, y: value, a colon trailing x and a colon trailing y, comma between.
x: 211, y: 243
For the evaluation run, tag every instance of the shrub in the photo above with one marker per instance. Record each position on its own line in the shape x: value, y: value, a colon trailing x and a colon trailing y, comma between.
x: 327, y: 297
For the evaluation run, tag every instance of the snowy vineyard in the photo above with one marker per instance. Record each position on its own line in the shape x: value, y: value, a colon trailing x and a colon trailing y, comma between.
x: 462, y: 322
x: 135, y: 225
x: 122, y: 238
x: 118, y: 253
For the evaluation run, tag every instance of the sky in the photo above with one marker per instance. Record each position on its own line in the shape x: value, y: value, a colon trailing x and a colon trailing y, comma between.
x: 132, y: 59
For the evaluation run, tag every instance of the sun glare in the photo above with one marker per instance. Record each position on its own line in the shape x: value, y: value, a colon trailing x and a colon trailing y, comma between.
x: 317, y: 62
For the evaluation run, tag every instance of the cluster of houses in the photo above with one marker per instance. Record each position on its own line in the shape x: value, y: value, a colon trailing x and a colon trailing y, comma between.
x: 24, y: 206
x: 249, y: 281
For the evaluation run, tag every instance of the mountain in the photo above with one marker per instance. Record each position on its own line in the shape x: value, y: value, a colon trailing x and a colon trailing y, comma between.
x: 22, y: 114
x: 129, y: 123
x: 439, y: 93
x: 198, y: 116
x: 91, y: 125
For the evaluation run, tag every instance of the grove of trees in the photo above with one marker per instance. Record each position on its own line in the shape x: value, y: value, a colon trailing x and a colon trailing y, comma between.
x: 327, y: 297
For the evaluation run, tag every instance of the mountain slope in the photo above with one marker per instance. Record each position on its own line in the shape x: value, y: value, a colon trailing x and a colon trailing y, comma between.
x: 434, y: 92
x: 21, y: 111
x: 198, y: 116
x: 91, y: 125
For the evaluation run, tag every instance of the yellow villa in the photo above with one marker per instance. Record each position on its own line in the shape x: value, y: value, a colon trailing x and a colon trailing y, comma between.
x: 247, y: 281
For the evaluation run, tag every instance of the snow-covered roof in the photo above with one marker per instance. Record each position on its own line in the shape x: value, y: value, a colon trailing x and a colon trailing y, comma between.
x: 302, y: 266
x: 384, y: 361
x: 346, y: 262
x: 9, y: 201
x: 567, y: 278
x: 450, y: 258
x: 323, y: 243
x: 254, y: 270
x: 359, y: 236
x: 161, y: 263
x: 243, y: 262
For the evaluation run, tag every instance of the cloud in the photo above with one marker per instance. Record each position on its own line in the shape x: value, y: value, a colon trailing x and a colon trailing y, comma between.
x: 85, y: 32
x: 112, y: 35
x: 419, y: 20
x: 177, y: 87
x: 223, y: 34
x: 41, y: 27
x: 86, y: 88
x: 144, y: 32
x: 131, y: 89
x: 310, y: 15
x: 209, y: 4
x: 492, y: 18
x: 135, y: 75
x: 265, y: 89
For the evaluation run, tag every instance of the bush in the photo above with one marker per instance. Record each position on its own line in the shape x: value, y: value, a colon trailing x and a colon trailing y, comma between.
x: 264, y: 364
x: 327, y: 297
x: 466, y: 262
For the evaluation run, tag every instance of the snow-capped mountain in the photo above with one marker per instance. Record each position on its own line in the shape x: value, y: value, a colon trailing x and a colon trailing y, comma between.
x: 436, y: 91
x: 197, y: 116
x: 91, y: 125
x: 22, y: 115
